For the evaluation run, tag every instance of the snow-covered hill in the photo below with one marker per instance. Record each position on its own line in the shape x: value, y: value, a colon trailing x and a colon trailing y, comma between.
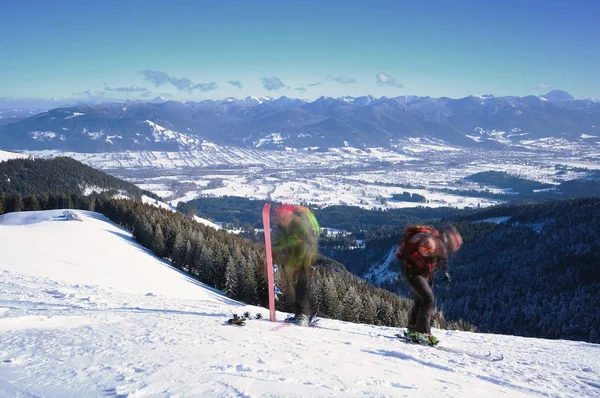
x: 4, y: 155
x: 86, y: 312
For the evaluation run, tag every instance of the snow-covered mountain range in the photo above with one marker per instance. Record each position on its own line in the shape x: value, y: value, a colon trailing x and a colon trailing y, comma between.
x: 283, y: 123
x: 86, y: 311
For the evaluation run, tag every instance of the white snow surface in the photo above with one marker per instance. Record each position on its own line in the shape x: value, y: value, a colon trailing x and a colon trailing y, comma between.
x: 206, y: 222
x: 86, y: 312
x: 75, y: 114
x: 151, y: 201
x: 5, y: 155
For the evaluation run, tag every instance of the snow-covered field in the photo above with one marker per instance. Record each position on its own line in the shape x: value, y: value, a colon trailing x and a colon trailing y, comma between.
x: 86, y: 312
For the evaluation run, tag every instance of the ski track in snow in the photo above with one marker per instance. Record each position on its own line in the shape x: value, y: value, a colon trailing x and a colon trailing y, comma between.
x: 104, y: 317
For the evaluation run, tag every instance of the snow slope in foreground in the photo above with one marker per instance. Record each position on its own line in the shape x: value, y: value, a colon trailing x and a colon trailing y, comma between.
x: 86, y: 312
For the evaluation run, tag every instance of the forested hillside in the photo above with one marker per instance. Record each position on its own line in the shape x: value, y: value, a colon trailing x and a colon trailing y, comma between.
x: 60, y: 175
x: 537, y: 274
x: 529, y: 270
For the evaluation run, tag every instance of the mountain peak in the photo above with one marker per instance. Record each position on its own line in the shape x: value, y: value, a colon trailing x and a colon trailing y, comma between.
x: 558, y: 96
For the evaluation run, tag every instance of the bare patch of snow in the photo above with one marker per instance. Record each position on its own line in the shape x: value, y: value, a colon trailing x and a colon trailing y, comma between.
x: 75, y: 114
x: 42, y: 135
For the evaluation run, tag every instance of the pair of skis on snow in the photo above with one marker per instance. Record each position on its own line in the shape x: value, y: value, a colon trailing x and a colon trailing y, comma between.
x: 488, y: 356
x: 241, y: 320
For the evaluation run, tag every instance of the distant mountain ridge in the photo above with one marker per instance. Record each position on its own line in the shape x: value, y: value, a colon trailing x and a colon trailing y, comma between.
x: 474, y: 121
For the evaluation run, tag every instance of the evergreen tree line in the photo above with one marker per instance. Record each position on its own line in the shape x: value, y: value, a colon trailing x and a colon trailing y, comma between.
x: 536, y: 275
x: 240, y: 211
x: 234, y: 265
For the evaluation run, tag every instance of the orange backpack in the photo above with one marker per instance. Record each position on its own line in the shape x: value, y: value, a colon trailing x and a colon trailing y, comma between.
x: 407, y: 251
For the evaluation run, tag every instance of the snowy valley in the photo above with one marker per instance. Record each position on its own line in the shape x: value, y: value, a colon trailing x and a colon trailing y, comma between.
x: 344, y: 176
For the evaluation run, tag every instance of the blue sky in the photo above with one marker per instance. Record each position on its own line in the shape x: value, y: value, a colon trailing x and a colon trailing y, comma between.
x: 194, y: 50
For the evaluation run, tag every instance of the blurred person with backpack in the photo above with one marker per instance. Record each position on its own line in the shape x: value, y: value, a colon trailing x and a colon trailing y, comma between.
x: 297, y: 237
x: 422, y: 251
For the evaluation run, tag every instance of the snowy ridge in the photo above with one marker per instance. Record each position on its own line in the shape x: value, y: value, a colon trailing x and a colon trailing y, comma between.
x: 162, y: 134
x: 151, y: 201
x: 4, y: 155
x: 206, y: 222
x: 104, y: 317
x: 75, y: 114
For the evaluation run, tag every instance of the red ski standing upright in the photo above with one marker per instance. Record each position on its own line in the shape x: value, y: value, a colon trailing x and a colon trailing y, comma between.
x: 266, y: 214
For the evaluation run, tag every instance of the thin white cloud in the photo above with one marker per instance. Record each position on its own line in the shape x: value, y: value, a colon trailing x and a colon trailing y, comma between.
x: 383, y: 79
x: 342, y: 79
x: 159, y: 78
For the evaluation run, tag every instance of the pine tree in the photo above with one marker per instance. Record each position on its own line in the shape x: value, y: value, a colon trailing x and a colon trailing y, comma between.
x: 143, y: 229
x: 261, y: 280
x: 369, y: 310
x: 402, y: 317
x: 385, y: 314
x: 331, y: 304
x: 231, y: 279
x: 351, y: 306
x: 66, y: 202
x: 30, y: 202
x: 159, y: 242
x: 15, y: 203
x: 196, y: 265
x: 170, y: 233
x: 240, y: 263
x: 249, y: 286
x: 178, y: 256
x: 75, y: 199
x: 220, y: 261
x: 206, y: 266
x: 189, y: 256
x: 315, y: 293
